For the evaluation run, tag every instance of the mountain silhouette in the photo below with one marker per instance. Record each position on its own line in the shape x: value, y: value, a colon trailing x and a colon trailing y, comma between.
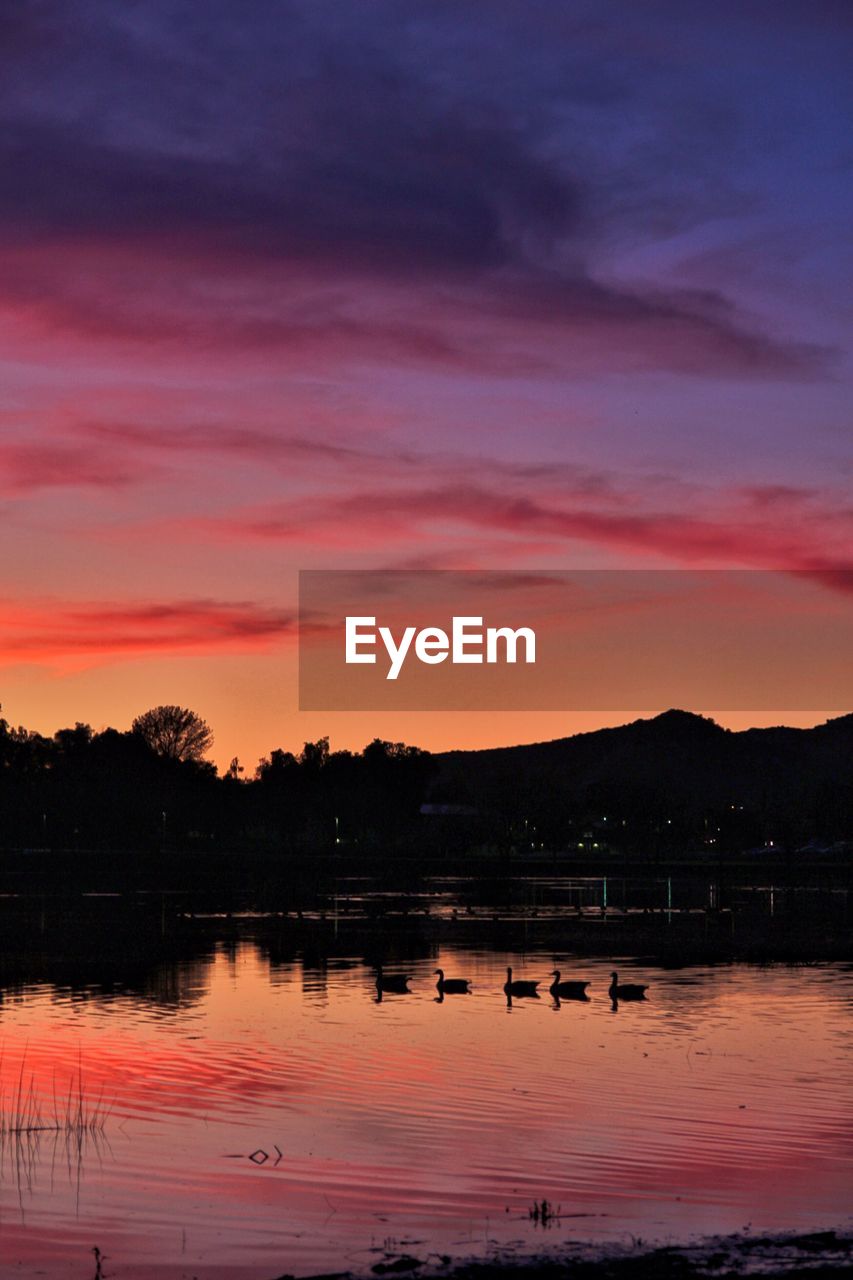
x: 677, y: 765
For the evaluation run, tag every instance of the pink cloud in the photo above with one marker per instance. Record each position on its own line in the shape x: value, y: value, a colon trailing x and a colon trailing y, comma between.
x: 446, y: 508
x: 181, y: 296
x: 78, y: 633
x: 719, y: 532
x: 29, y: 466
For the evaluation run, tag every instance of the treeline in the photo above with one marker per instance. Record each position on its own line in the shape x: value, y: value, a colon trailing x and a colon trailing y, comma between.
x: 646, y: 790
x: 151, y: 788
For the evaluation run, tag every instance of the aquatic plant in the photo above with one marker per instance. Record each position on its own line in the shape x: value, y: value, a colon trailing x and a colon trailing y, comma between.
x: 543, y: 1212
x: 21, y: 1110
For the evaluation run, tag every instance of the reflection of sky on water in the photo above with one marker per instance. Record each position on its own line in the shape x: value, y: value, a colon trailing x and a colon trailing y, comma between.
x: 723, y: 1099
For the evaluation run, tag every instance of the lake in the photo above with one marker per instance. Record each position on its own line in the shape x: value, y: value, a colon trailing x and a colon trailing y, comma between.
x: 248, y: 1109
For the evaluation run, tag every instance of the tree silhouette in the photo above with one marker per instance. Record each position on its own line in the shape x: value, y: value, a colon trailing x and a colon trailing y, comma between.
x: 175, y: 733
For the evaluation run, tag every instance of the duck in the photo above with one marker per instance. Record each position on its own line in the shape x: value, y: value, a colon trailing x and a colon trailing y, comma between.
x: 625, y: 990
x: 567, y: 990
x: 521, y: 987
x: 451, y: 986
x: 394, y: 983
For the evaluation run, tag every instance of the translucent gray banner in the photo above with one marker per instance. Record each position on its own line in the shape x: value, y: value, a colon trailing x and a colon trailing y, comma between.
x: 451, y: 640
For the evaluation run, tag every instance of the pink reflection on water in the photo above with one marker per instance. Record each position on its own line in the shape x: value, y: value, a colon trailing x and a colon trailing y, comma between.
x: 724, y: 1099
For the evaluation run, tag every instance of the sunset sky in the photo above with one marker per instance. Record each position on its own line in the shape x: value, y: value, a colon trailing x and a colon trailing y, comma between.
x: 414, y: 285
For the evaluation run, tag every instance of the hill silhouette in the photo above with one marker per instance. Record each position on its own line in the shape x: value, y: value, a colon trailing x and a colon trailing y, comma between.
x: 676, y: 769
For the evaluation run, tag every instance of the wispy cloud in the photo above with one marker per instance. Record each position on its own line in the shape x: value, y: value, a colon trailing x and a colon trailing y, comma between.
x: 26, y: 467
x: 73, y: 634
x: 339, y: 203
x: 719, y: 532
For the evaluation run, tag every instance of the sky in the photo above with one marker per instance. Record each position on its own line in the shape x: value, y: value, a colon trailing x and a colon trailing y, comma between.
x: 403, y: 285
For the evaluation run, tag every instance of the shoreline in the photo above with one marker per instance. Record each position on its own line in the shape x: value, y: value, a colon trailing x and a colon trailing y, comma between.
x: 811, y: 1255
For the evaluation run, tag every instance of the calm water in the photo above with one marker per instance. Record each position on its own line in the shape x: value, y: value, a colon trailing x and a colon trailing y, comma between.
x: 269, y: 1117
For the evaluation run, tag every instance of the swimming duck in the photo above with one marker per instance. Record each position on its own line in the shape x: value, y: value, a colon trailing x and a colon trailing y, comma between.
x: 567, y: 990
x: 521, y: 987
x: 394, y: 983
x: 625, y: 990
x: 451, y: 986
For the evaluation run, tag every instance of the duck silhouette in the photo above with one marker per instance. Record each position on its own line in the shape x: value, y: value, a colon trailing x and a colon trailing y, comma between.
x: 625, y: 990
x: 521, y: 987
x: 567, y: 990
x: 392, y: 983
x: 451, y: 986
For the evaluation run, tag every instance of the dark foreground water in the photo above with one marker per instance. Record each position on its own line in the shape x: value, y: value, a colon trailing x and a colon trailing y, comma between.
x: 243, y: 1116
